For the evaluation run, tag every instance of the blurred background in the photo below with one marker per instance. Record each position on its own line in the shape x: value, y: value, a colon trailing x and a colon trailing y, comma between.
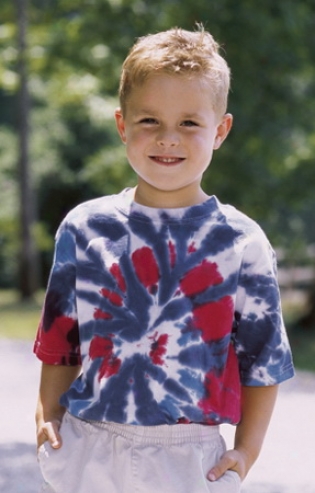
x: 59, y: 70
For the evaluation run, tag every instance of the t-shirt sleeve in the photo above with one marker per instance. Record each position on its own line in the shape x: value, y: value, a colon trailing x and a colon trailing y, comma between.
x: 57, y: 340
x: 261, y: 341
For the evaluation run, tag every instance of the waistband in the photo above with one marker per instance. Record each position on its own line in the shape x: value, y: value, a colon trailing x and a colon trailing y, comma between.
x: 161, y: 434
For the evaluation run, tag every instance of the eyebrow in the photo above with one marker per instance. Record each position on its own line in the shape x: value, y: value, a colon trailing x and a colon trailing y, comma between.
x: 154, y: 113
x: 145, y: 111
x: 192, y: 116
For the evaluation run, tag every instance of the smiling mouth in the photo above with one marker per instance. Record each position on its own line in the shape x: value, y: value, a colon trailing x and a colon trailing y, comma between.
x: 167, y: 161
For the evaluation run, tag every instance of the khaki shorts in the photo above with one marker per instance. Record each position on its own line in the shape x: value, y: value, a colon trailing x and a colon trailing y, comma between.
x: 113, y: 458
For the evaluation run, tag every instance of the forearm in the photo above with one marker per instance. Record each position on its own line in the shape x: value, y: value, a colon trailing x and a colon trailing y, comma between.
x: 257, y: 407
x: 55, y: 380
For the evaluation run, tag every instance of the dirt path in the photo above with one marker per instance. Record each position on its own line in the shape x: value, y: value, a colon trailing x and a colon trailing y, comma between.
x: 286, y: 464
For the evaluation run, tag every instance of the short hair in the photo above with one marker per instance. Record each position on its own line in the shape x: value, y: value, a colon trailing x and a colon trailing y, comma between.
x: 177, y: 52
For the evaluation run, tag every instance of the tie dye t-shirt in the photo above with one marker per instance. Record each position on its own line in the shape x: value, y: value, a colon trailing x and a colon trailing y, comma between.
x: 168, y: 311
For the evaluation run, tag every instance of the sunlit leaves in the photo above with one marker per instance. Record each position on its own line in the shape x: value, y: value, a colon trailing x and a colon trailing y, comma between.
x: 75, y: 51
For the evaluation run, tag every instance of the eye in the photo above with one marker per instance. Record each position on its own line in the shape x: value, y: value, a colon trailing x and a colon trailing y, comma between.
x: 189, y: 123
x: 148, y: 121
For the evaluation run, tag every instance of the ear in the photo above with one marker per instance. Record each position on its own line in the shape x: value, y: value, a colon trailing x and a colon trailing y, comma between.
x: 120, y: 124
x: 223, y: 130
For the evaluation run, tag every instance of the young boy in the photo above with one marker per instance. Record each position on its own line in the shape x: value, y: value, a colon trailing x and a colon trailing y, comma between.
x: 162, y: 317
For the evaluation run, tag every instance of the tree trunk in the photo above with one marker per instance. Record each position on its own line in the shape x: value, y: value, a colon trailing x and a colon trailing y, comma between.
x: 27, y: 274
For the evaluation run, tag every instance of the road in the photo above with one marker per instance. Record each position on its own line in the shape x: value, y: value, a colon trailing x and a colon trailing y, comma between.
x: 286, y: 464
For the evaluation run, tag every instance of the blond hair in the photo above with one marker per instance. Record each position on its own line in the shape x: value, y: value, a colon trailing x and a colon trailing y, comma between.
x: 177, y: 52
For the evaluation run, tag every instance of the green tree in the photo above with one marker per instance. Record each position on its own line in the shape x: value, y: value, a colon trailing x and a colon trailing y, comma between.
x: 75, y: 52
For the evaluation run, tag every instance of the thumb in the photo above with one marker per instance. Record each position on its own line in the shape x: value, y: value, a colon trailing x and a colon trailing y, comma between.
x: 225, y: 463
x: 53, y: 436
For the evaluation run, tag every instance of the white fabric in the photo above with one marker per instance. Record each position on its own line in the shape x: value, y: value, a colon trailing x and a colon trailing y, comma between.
x: 114, y: 458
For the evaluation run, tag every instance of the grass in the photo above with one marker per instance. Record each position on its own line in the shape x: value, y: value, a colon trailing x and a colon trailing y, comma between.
x: 19, y: 320
x: 302, y: 340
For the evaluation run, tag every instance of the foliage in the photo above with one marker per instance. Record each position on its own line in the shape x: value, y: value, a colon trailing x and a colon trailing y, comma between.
x: 75, y: 50
x: 8, y: 209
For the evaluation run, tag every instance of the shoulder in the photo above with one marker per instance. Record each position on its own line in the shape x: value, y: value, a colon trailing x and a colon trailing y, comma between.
x: 247, y: 227
x: 252, y: 240
x: 84, y: 214
x: 237, y: 219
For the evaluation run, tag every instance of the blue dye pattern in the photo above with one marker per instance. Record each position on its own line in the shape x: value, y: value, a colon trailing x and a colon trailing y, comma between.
x: 168, y: 311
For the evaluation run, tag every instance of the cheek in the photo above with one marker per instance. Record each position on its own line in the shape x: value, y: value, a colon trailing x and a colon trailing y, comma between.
x: 203, y: 143
x: 134, y: 137
x: 137, y: 141
x: 135, y: 149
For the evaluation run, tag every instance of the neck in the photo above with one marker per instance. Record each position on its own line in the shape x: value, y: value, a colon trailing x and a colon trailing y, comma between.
x: 168, y: 200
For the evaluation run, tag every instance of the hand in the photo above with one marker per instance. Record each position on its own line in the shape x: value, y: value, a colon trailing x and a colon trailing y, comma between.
x: 49, y: 431
x: 233, y: 460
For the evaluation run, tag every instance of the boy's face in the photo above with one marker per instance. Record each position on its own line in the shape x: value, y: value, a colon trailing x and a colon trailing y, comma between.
x: 171, y: 130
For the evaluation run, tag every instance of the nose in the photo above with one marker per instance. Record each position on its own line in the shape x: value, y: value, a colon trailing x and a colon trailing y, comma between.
x: 167, y: 138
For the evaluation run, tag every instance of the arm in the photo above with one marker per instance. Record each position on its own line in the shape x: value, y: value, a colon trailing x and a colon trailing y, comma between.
x: 55, y: 380
x: 257, y: 408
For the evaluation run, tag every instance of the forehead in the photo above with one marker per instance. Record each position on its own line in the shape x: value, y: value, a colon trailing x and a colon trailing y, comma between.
x: 171, y: 91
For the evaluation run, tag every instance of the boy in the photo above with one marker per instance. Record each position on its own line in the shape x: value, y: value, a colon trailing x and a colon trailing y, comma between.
x: 162, y: 317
